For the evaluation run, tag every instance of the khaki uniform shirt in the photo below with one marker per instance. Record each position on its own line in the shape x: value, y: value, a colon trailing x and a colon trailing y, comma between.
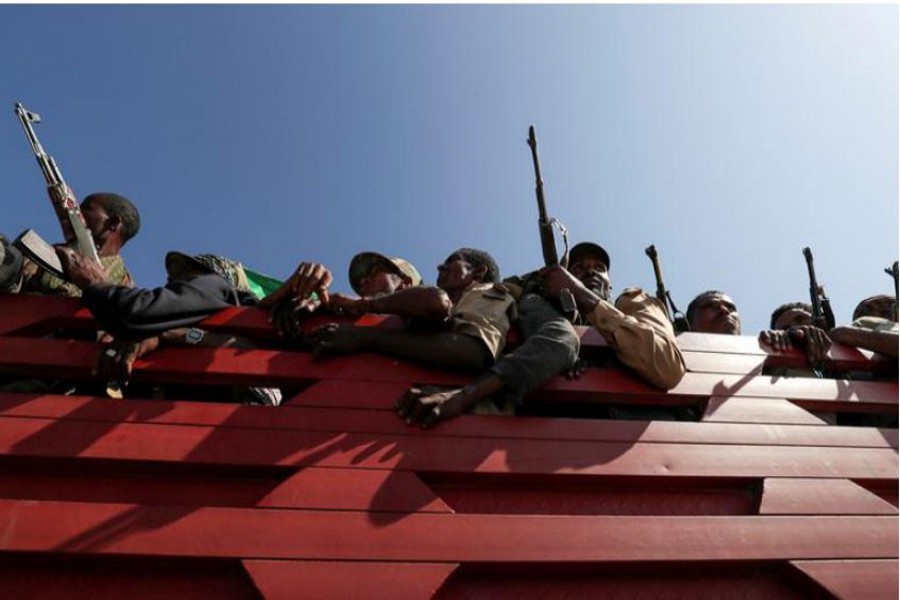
x: 877, y: 324
x: 36, y: 280
x: 638, y: 329
x: 485, y: 312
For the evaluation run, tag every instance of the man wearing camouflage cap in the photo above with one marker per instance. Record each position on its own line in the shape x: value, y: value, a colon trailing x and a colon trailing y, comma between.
x: 371, y: 274
x: 197, y: 287
x: 142, y: 319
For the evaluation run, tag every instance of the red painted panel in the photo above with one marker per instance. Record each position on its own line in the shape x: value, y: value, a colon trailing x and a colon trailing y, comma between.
x: 357, y: 489
x: 340, y: 419
x: 53, y: 577
x: 819, y: 390
x: 340, y: 535
x: 820, y: 497
x: 227, y: 366
x: 359, y: 580
x: 708, y: 581
x: 758, y: 410
x: 736, y: 364
x: 434, y: 453
x: 854, y: 579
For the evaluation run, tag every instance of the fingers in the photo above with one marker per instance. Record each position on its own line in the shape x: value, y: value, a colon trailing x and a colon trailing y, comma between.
x: 115, y: 361
x: 817, y: 346
x: 777, y: 340
x: 426, y: 407
x: 312, y: 277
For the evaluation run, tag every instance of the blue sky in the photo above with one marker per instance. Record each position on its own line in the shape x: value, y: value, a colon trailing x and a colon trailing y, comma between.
x: 729, y: 136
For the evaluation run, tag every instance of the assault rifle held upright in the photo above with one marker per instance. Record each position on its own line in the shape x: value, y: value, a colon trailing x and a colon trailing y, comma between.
x: 545, y: 226
x: 892, y: 271
x: 679, y: 321
x: 74, y: 228
x: 823, y: 317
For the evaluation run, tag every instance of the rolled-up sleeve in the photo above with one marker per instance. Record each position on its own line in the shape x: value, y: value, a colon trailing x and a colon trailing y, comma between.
x: 642, y: 336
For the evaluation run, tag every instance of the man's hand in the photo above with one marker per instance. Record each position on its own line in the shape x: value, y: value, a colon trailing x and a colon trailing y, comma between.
x: 556, y: 279
x: 308, y: 278
x: 81, y: 270
x: 337, y: 339
x: 814, y: 342
x: 581, y: 365
x: 341, y: 304
x: 287, y: 317
x: 116, y: 357
x: 776, y: 339
x: 426, y: 406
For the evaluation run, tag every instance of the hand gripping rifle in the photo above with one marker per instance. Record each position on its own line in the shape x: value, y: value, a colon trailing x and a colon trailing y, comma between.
x: 892, y: 271
x: 74, y: 228
x: 823, y: 317
x: 545, y: 226
x: 679, y: 322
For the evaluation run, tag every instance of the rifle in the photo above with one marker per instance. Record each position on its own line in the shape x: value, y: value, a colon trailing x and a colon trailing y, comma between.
x: 74, y: 228
x: 823, y: 317
x: 892, y: 271
x: 679, y: 321
x: 545, y: 227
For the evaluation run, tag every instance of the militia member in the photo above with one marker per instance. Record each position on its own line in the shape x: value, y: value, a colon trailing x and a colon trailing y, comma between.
x: 371, y: 275
x: 112, y: 220
x: 714, y: 312
x: 792, y: 327
x: 636, y: 328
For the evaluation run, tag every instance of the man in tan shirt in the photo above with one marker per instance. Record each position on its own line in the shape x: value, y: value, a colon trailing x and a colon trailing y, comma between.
x: 636, y: 328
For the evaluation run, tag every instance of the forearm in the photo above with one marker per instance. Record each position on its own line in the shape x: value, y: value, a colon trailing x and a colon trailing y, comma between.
x: 883, y: 342
x: 429, y: 303
x: 150, y: 311
x: 443, y: 350
x: 644, y: 341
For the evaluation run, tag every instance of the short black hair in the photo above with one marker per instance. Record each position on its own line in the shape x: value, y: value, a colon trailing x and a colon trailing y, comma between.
x: 786, y: 307
x: 119, y: 206
x: 480, y: 258
x: 692, y: 307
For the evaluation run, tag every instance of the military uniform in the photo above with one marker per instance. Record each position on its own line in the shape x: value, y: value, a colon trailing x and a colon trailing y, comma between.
x: 637, y: 328
x: 36, y: 280
x: 484, y: 312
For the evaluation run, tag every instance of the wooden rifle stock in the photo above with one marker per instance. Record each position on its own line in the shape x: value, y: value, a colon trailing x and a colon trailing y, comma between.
x: 823, y: 317
x: 68, y: 213
x: 679, y: 321
x: 892, y: 271
x: 545, y: 227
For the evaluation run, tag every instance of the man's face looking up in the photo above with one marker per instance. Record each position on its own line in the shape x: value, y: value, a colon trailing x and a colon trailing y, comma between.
x: 455, y: 273
x: 716, y: 313
x: 380, y: 281
x: 794, y: 317
x: 592, y: 272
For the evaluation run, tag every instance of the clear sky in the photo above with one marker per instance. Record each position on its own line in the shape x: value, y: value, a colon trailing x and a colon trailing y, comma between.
x: 729, y: 136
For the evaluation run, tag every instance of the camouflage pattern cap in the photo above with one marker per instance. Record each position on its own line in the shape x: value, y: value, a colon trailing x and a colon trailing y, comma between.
x: 363, y: 263
x: 179, y: 264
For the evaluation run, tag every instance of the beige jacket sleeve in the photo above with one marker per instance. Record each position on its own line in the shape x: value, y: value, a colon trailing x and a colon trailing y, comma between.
x: 642, y: 336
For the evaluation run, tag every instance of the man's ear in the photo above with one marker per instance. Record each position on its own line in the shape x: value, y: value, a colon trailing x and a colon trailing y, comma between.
x: 114, y: 223
x: 481, y: 272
